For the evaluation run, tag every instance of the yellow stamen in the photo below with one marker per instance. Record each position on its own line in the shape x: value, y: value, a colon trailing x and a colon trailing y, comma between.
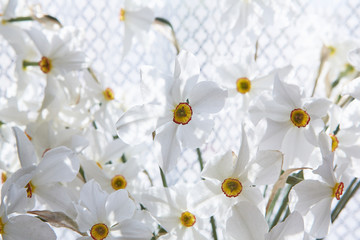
x: 45, y: 65
x: 187, y: 219
x: 182, y: 113
x: 99, y: 165
x: 118, y: 182
x: 99, y: 231
x: 299, y: 117
x: 3, y: 177
x: 332, y: 50
x: 243, y: 85
x: 231, y: 187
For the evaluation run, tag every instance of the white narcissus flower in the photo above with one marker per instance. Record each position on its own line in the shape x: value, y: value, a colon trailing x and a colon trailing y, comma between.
x: 58, y: 54
x: 313, y: 198
x: 57, y: 165
x: 247, y: 221
x: 137, y: 21
x: 108, y: 216
x: 17, y: 227
x: 239, y: 15
x: 227, y: 179
x: 179, y: 109
x: 242, y: 79
x: 293, y: 122
x: 172, y: 207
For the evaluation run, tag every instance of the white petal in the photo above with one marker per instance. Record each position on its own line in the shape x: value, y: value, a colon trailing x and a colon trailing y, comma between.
x: 137, y: 123
x: 25, y: 148
x: 58, y: 165
x: 187, y: 69
x: 119, y: 212
x: 354, y: 58
x: 322, y: 215
x: 267, y: 166
x: 286, y: 93
x: 246, y: 221
x: 293, y: 224
x: 243, y: 155
x: 308, y: 193
x: 56, y: 197
x: 26, y: 227
x: 114, y: 150
x: 207, y: 97
x: 195, y: 133
x: 170, y: 146
x: 317, y: 108
x: 353, y: 88
x: 93, y: 198
x: 40, y: 40
x: 139, y: 20
x: 134, y: 230
x: 220, y: 168
x: 274, y: 134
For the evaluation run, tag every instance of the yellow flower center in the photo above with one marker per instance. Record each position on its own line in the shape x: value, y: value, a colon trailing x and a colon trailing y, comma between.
x: 2, y: 226
x: 3, y: 177
x: 118, y: 182
x: 29, y: 189
x: 334, y: 142
x: 299, y: 117
x: 243, y: 85
x: 182, y: 113
x: 338, y: 190
x: 45, y: 65
x: 122, y: 14
x: 187, y: 219
x: 109, y: 94
x: 231, y: 187
x: 99, y: 231
x: 332, y: 50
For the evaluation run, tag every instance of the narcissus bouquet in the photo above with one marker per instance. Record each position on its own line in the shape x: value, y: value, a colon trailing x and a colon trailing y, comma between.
x: 79, y: 162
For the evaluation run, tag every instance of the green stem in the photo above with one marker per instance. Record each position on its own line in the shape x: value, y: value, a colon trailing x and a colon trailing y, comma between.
x: 349, y: 69
x: 213, y: 226
x: 29, y: 63
x: 163, y: 178
x: 20, y: 19
x: 283, y: 206
x: 200, y: 159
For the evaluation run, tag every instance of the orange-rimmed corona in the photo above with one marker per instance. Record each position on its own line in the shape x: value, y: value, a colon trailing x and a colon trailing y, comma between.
x: 338, y: 190
x: 118, y: 182
x: 29, y: 189
x: 109, y: 94
x: 299, y: 117
x: 243, y: 85
x: 187, y: 219
x: 231, y: 187
x: 182, y: 113
x: 45, y: 65
x: 99, y: 231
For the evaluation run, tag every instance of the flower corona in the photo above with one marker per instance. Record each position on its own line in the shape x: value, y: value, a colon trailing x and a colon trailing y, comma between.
x: 243, y: 85
x: 299, y: 117
x: 182, y: 113
x: 231, y: 187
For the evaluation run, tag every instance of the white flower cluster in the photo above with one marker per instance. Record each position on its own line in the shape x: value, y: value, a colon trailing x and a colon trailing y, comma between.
x: 72, y: 156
